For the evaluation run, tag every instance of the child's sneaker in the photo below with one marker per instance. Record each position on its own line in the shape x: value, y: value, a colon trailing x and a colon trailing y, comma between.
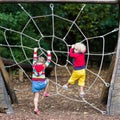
x: 46, y: 94
x: 37, y: 112
x: 65, y: 87
x: 82, y: 94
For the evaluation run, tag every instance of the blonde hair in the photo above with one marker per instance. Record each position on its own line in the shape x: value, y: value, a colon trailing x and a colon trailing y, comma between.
x: 80, y: 47
x: 41, y: 59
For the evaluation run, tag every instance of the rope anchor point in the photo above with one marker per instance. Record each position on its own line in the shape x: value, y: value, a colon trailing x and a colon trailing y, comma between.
x: 51, y: 6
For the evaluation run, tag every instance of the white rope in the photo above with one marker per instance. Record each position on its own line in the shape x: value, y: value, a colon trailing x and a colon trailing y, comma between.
x: 58, y: 87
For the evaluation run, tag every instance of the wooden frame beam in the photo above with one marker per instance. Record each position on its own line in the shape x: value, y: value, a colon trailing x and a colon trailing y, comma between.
x: 70, y: 1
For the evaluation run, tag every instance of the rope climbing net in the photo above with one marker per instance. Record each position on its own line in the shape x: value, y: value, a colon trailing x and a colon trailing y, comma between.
x: 53, y: 37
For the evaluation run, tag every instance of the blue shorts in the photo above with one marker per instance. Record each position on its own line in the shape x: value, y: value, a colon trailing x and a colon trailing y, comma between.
x: 37, y: 86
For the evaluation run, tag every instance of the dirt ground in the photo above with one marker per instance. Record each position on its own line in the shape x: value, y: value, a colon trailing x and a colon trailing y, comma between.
x: 62, y: 104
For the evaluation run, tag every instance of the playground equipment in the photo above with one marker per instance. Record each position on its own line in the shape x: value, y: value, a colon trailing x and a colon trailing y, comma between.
x: 113, y: 104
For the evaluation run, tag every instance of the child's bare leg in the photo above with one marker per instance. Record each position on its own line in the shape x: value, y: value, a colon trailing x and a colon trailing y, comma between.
x: 36, y: 97
x: 81, y: 89
x: 67, y: 84
x: 45, y: 90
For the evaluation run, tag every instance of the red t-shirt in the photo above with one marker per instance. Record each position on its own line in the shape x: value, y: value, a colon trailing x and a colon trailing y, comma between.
x: 78, y: 58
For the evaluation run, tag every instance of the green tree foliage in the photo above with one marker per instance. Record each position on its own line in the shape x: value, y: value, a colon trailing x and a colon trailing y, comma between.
x: 95, y: 20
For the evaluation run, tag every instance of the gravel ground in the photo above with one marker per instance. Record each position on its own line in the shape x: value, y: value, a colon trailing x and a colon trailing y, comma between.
x: 64, y: 105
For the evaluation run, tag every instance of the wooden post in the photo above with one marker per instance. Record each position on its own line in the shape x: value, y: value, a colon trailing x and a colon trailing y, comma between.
x: 11, y: 74
x: 113, y: 103
x: 21, y: 75
x: 105, y: 90
x: 8, y: 83
x: 4, y: 99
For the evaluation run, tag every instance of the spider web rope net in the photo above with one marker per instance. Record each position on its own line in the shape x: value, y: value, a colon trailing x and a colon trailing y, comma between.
x: 53, y: 37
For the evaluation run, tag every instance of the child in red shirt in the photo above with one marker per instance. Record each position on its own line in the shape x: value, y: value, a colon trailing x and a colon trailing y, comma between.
x: 77, y: 52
